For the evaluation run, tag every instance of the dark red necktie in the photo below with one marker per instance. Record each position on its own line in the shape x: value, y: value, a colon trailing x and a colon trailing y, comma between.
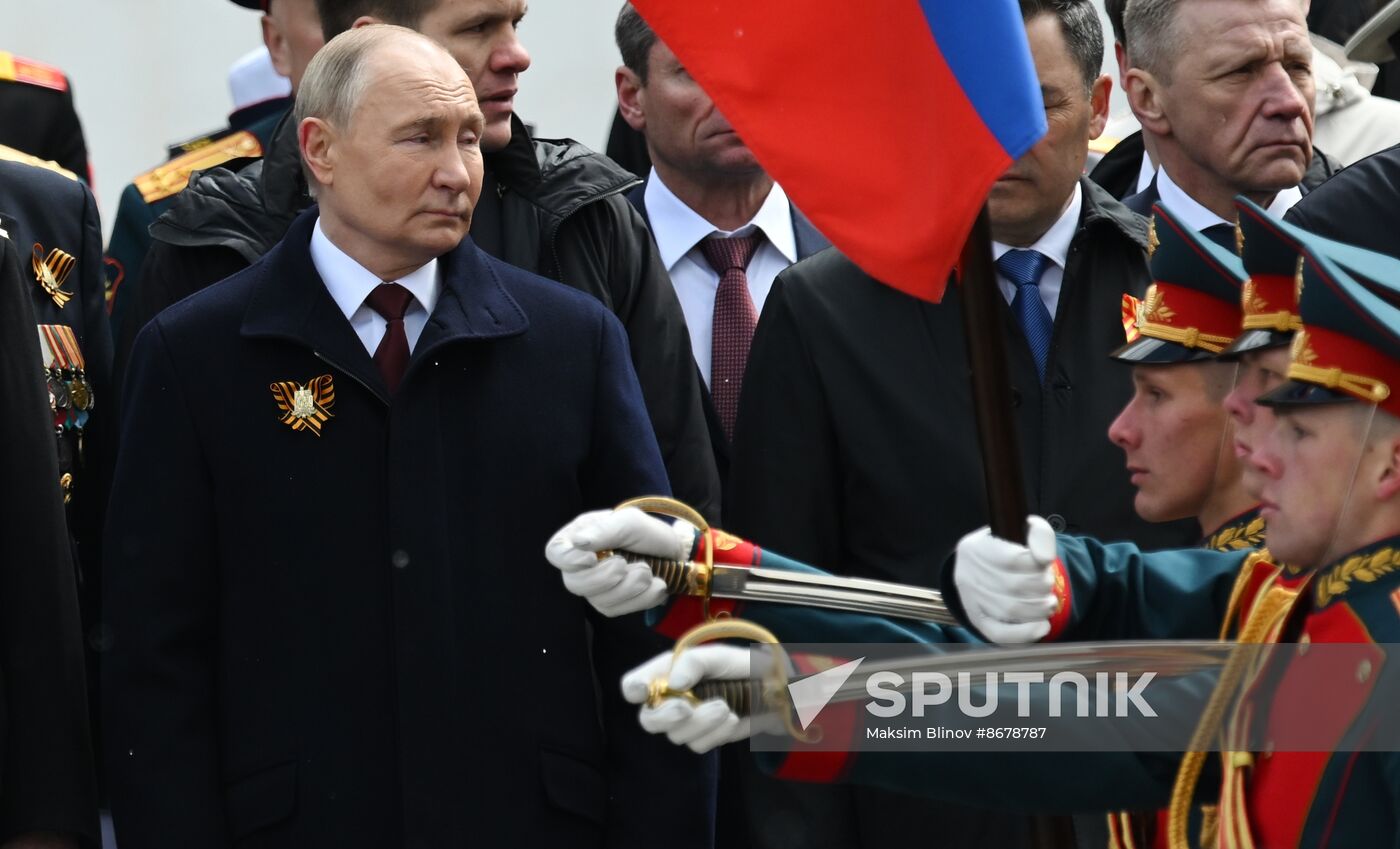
x: 391, y: 301
x: 734, y: 321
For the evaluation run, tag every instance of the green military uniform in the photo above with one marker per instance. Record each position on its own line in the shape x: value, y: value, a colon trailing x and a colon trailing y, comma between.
x: 152, y: 193
x: 1348, y: 350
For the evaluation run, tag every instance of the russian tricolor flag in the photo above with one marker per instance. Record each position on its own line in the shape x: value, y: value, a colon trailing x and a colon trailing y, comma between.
x: 885, y: 121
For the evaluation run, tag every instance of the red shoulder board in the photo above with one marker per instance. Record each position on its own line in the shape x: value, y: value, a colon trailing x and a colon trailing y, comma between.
x: 22, y: 70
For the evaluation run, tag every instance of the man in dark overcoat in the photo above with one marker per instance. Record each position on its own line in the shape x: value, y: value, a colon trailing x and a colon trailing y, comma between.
x: 328, y: 572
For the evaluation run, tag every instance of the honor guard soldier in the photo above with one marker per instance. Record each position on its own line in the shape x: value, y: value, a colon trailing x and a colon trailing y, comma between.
x: 149, y: 195
x: 37, y: 115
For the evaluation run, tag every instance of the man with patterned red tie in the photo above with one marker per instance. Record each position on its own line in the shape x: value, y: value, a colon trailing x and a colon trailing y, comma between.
x: 724, y: 229
x: 339, y: 469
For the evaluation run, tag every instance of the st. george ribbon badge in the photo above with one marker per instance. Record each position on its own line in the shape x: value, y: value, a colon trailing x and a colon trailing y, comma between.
x: 305, y: 407
x: 52, y: 272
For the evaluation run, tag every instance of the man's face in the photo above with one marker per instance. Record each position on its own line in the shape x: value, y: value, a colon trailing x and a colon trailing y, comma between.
x: 1309, y: 461
x: 404, y: 176
x: 481, y: 36
x: 1030, y: 196
x: 1239, y: 101
x: 1171, y: 433
x: 1259, y: 372
x: 684, y: 130
x: 292, y: 33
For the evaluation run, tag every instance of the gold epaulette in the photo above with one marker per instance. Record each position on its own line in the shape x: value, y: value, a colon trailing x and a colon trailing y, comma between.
x: 172, y: 177
x: 12, y: 155
x: 21, y: 70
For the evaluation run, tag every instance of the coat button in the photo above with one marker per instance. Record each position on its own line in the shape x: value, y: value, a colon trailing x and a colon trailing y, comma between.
x: 1057, y: 523
x: 1363, y: 671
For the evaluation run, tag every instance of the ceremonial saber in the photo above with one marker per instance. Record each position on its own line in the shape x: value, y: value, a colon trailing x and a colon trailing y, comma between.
x: 782, y: 586
x: 707, y: 579
x: 770, y: 695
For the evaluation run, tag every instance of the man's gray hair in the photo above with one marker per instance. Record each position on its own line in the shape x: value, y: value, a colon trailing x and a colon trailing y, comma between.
x: 1153, y: 41
x: 336, y: 79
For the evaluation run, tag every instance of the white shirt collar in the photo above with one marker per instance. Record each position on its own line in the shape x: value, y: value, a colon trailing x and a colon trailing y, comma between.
x: 1055, y: 242
x: 1197, y: 217
x: 349, y: 283
x: 1146, y: 171
x: 678, y: 228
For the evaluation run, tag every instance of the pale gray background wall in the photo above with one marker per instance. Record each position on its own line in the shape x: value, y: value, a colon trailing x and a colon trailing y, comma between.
x: 150, y: 72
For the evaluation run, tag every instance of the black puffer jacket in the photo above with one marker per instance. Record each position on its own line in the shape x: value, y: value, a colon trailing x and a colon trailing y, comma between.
x: 560, y: 213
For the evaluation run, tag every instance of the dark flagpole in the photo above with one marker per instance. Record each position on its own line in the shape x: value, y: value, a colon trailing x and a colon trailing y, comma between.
x: 991, y: 386
x: 996, y: 431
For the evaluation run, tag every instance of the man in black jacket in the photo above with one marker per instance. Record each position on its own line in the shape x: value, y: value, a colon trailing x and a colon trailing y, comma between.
x: 551, y: 207
x: 855, y: 449
x: 706, y: 189
x: 1212, y: 130
x: 1129, y: 167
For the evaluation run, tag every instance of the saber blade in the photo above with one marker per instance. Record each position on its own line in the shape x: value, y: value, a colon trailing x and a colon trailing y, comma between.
x: 1164, y: 658
x: 784, y: 586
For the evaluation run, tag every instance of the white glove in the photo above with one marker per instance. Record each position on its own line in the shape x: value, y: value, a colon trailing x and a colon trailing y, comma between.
x: 701, y: 727
x: 1008, y: 590
x: 615, y: 586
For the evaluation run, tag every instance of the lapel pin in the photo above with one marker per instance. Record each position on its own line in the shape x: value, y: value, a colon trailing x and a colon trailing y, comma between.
x: 52, y: 272
x: 305, y: 407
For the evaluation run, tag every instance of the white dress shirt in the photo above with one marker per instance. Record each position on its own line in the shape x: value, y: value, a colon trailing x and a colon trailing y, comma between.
x: 350, y: 283
x: 1146, y: 171
x: 679, y: 230
x: 1055, y: 245
x: 1197, y: 217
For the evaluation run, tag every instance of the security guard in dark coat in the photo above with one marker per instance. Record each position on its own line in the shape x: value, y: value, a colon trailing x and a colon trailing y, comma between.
x: 46, y: 771
x: 37, y: 114
x: 53, y: 220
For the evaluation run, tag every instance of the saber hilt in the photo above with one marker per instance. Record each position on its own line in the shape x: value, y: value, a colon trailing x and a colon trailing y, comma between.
x: 682, y: 577
x: 701, y: 576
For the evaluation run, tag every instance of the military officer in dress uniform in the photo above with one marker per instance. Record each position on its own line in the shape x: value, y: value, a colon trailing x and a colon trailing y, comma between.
x: 48, y: 797
x: 292, y: 34
x: 37, y: 114
x: 53, y: 219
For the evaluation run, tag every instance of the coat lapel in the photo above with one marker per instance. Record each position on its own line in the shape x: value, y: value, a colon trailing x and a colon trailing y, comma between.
x: 809, y: 239
x: 473, y: 304
x: 290, y: 302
